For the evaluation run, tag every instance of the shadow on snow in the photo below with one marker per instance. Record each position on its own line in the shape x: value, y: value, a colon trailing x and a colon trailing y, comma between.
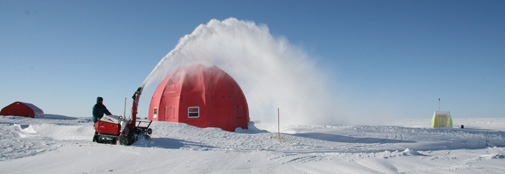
x: 169, y: 143
x: 348, y: 139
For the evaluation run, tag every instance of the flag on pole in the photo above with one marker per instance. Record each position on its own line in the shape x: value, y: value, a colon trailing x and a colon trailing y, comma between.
x: 438, y: 104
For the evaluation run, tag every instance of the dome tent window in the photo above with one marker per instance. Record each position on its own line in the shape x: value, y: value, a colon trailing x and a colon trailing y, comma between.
x: 155, y: 112
x: 193, y: 112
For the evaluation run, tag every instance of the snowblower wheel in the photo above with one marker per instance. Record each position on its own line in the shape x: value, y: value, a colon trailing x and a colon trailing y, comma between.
x: 126, y: 138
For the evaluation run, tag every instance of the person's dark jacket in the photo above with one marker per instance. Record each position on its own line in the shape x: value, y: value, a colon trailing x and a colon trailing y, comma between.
x: 98, y: 110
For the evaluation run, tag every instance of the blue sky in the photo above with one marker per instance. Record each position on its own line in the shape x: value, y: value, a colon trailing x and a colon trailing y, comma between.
x: 61, y: 55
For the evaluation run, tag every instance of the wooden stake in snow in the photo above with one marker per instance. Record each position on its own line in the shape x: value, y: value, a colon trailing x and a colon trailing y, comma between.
x: 278, y: 137
x: 278, y: 123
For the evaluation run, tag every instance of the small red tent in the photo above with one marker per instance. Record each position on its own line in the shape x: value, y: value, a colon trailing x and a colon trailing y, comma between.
x: 22, y: 109
x: 200, y: 96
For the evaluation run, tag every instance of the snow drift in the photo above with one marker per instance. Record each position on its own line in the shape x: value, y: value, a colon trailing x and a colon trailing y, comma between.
x: 39, y: 145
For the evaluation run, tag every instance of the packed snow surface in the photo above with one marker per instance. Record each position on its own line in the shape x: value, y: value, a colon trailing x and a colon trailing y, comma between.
x: 59, y: 144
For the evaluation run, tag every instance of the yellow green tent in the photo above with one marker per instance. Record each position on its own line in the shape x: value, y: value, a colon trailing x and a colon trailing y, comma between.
x: 441, y: 119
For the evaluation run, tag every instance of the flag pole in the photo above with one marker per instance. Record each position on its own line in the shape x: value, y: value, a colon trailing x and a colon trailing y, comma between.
x: 124, y: 114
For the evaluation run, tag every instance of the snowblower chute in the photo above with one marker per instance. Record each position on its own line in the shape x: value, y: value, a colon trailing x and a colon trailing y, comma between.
x: 111, y: 129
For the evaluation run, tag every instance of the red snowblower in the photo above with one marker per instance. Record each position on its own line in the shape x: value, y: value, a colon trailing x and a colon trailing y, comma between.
x: 110, y: 129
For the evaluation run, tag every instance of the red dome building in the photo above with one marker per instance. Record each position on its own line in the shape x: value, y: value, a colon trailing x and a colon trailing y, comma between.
x: 22, y: 109
x: 200, y: 96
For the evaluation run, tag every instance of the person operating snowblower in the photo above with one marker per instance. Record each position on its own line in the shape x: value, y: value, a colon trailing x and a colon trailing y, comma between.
x: 99, y: 109
x: 112, y: 129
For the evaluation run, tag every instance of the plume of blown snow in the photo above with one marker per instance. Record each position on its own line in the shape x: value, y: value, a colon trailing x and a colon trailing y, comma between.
x: 271, y: 72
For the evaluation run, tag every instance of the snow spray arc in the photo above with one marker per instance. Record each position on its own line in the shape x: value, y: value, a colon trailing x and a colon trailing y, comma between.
x: 271, y: 72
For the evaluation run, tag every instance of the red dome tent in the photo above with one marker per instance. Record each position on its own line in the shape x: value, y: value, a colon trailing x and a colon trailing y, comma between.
x: 22, y: 109
x: 200, y: 96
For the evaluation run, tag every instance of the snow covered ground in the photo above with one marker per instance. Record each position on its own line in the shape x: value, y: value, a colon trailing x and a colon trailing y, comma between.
x: 59, y: 144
